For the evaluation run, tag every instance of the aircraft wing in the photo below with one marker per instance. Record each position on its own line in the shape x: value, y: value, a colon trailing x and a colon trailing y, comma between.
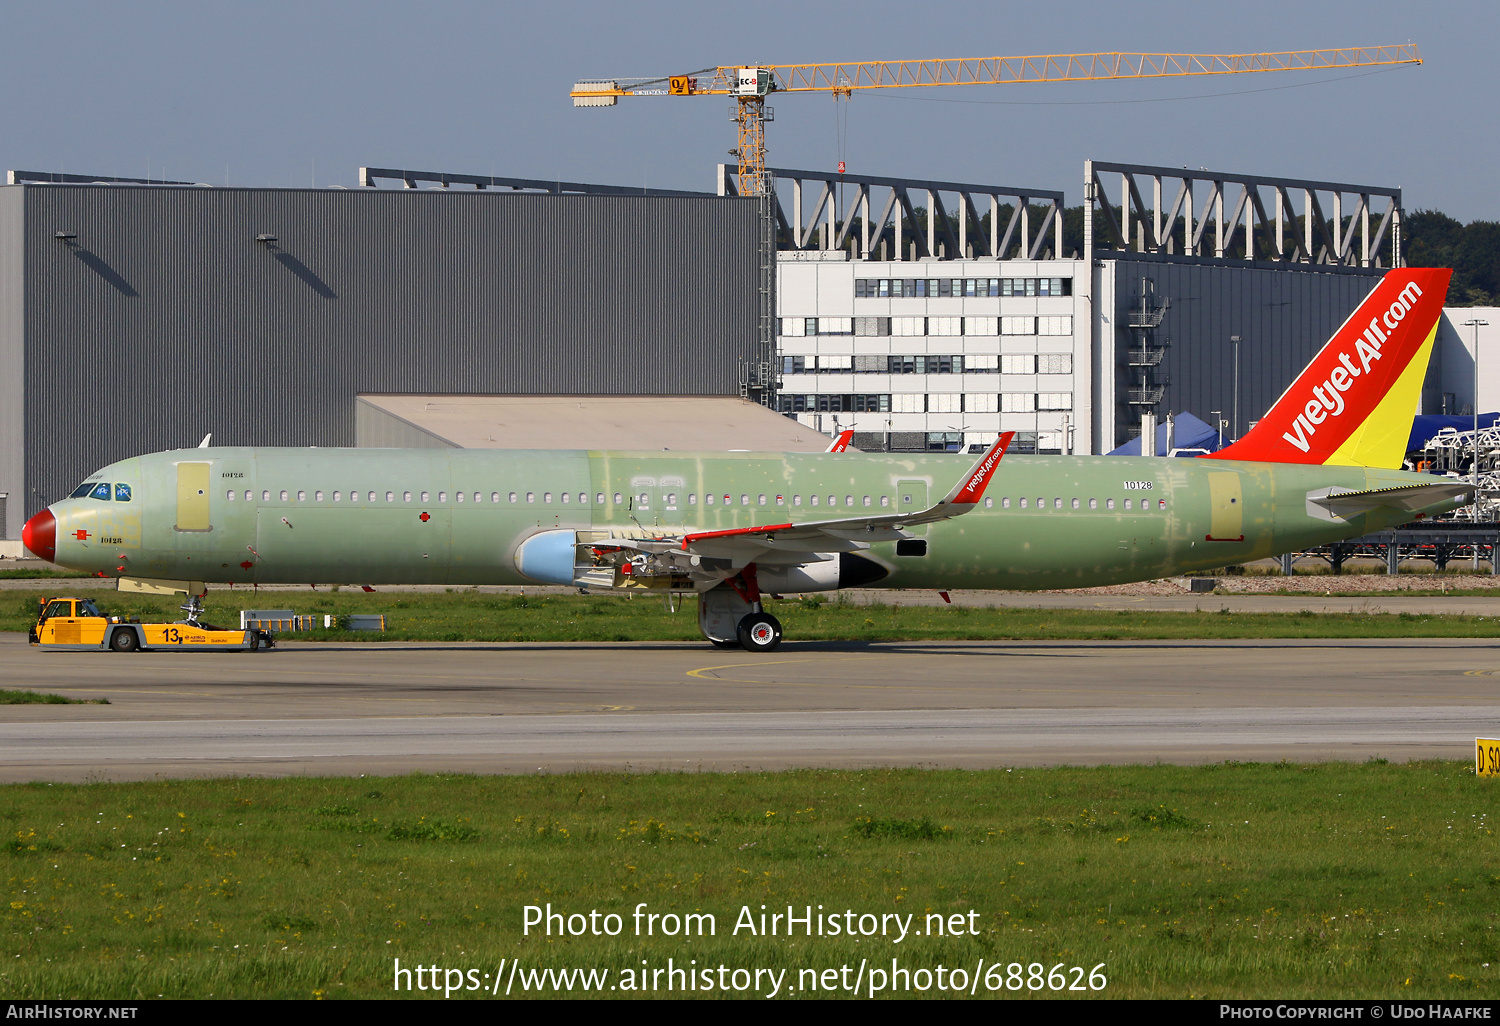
x: 796, y: 543
x: 1411, y: 498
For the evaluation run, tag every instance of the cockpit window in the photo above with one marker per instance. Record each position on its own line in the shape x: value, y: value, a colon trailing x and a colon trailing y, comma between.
x: 87, y: 608
x: 101, y: 491
x: 82, y: 490
x: 122, y: 493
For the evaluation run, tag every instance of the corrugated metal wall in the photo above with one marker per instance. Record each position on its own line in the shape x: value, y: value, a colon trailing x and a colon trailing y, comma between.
x: 1283, y: 316
x: 12, y: 349
x: 164, y: 319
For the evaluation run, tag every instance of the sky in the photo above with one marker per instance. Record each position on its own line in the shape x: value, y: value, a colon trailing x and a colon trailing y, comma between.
x: 304, y: 93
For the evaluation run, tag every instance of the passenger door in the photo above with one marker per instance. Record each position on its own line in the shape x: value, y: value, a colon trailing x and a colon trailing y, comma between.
x: 1226, y: 507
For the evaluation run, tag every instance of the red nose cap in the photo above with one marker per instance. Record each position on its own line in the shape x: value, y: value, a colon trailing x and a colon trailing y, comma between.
x: 40, y: 536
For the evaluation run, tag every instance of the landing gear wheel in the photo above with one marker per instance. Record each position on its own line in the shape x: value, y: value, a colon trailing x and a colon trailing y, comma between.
x: 123, y: 641
x: 723, y: 644
x: 759, y: 632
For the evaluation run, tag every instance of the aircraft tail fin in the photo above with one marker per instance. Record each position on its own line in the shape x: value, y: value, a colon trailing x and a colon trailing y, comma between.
x: 1353, y: 405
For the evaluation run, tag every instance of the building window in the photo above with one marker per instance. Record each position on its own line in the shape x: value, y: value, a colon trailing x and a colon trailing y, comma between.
x: 945, y: 325
x: 981, y: 402
x: 835, y: 363
x: 981, y: 325
x: 1054, y: 325
x: 872, y: 326
x: 1018, y: 402
x: 945, y: 402
x: 908, y: 403
x: 1018, y: 363
x: 1018, y: 325
x: 1054, y: 363
x: 908, y: 325
x: 1054, y: 401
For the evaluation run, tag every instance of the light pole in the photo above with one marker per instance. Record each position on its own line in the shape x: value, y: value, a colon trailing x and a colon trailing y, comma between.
x: 1234, y: 430
x: 1476, y: 324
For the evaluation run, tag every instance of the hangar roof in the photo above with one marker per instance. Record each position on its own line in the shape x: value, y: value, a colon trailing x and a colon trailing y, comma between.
x: 710, y: 423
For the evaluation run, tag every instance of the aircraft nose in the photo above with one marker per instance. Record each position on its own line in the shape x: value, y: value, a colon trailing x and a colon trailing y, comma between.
x: 39, y: 535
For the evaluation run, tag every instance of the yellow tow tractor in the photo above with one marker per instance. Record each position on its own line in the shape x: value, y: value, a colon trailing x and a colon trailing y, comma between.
x: 77, y: 624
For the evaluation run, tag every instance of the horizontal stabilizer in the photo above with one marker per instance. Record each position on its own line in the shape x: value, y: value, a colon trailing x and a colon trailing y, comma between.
x: 1411, y: 498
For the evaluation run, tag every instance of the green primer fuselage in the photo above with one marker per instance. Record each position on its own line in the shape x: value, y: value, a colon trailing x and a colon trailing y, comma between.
x: 310, y: 516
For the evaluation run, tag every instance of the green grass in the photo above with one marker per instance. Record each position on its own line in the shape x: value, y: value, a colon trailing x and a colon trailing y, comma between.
x: 1231, y: 880
x: 26, y: 574
x: 473, y: 616
x: 9, y: 697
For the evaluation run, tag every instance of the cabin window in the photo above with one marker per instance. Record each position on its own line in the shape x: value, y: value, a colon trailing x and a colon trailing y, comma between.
x: 833, y: 500
x: 1093, y: 504
x: 335, y: 496
x: 494, y: 497
x: 692, y: 498
x: 599, y: 499
x: 1023, y: 502
x: 781, y: 500
x: 708, y: 500
x: 867, y: 502
x: 406, y: 496
x: 1128, y: 504
x: 848, y: 500
x: 1005, y: 502
x: 249, y: 494
x: 583, y: 498
x: 1075, y: 503
x: 372, y: 496
x: 390, y: 496
x: 457, y: 495
x: 619, y: 498
x: 1057, y: 504
x: 565, y: 498
x: 643, y: 501
x: 885, y: 500
x: 301, y: 495
x: 1162, y: 503
x: 442, y: 496
x: 671, y: 500
x: 814, y: 499
x: 1109, y: 503
x: 762, y: 500
x: 229, y: 495
x: 728, y: 499
x: 744, y: 500
x: 318, y: 495
x: 122, y: 493
x: 796, y: 500
x: 513, y: 496
x: 424, y: 496
x: 988, y: 502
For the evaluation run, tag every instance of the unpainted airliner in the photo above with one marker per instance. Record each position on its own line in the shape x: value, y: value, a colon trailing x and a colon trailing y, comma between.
x: 1321, y: 466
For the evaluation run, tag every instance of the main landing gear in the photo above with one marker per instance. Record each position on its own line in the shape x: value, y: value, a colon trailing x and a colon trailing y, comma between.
x: 730, y: 615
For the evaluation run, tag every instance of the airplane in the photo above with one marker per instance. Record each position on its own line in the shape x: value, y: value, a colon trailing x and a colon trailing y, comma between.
x: 1321, y: 466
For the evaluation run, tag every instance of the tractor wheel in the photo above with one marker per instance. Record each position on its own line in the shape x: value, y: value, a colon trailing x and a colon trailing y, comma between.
x: 124, y: 640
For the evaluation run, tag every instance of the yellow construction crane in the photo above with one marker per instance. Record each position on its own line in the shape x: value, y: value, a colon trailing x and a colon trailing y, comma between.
x: 750, y: 85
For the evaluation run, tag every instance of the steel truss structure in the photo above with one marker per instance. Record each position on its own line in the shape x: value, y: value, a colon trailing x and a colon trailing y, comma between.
x: 1454, y: 453
x: 831, y: 211
x: 369, y: 176
x: 1177, y: 212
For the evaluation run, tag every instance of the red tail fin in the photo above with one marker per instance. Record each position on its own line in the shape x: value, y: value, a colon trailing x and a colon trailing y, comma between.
x: 1353, y: 405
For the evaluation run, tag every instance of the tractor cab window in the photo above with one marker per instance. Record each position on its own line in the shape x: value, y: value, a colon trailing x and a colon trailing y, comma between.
x: 57, y: 608
x: 87, y: 608
x: 122, y: 493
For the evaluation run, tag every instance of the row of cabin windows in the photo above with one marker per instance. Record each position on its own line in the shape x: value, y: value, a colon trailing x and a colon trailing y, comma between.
x: 643, y: 500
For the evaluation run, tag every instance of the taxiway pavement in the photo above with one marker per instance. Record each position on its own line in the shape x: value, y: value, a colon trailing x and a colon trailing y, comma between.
x: 397, y: 707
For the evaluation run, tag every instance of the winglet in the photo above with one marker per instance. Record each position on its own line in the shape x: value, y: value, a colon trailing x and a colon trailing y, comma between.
x: 842, y: 441
x: 969, y: 491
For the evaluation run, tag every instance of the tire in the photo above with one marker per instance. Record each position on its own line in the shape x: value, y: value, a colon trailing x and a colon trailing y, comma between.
x: 124, y: 640
x: 759, y: 632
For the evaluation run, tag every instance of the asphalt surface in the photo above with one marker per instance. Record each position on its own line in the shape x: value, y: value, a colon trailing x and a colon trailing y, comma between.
x: 397, y: 707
